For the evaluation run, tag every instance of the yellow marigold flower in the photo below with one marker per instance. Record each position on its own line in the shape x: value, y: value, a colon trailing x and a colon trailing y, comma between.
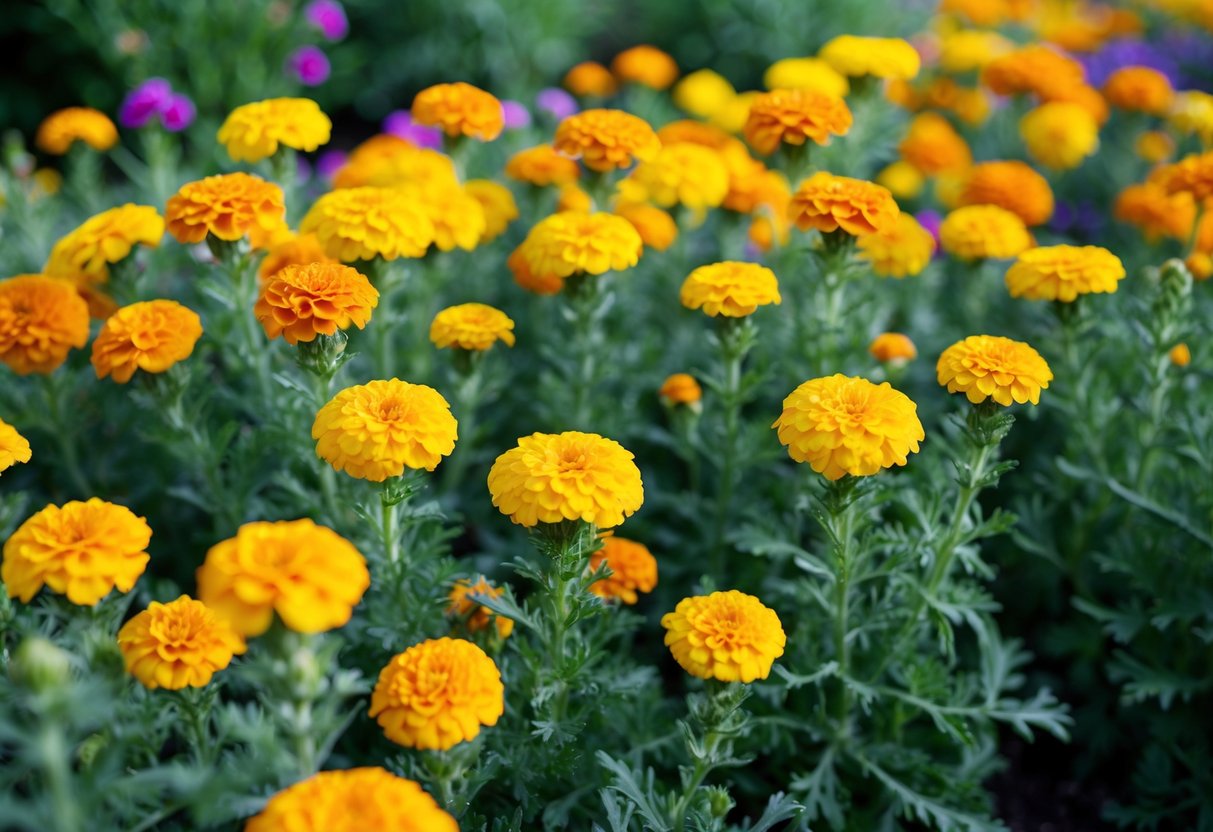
x: 881, y: 57
x: 548, y: 478
x: 989, y: 366
x: 1035, y: 68
x: 357, y: 798
x: 151, y: 336
x: 228, y: 206
x: 1191, y: 174
x: 497, y: 203
x: 457, y: 218
x: 80, y: 549
x: 14, y: 448
x: 933, y: 146
x: 1064, y: 272
x: 177, y: 645
x: 477, y: 617
x: 571, y: 242
x: 684, y: 174
x: 733, y: 115
x: 633, y: 570
x: 460, y: 110
x: 298, y: 250
x: 103, y: 239
x: 903, y: 180
x: 1139, y: 89
x: 893, y: 347
x: 299, y: 303
x: 471, y: 326
x: 310, y: 575
x: 730, y: 288
x: 656, y: 227
x: 794, y: 117
x: 41, y: 320
x: 542, y: 166
x: 680, y: 388
x: 646, y: 65
x: 1157, y: 213
x: 606, y: 139
x: 828, y: 202
x: 977, y: 231
x: 63, y: 128
x: 386, y: 161
x: 437, y: 694
x: 1193, y: 114
x: 590, y: 78
x: 750, y: 184
x: 842, y: 425
x: 540, y: 284
x: 1200, y: 264
x: 1012, y: 185
x: 1154, y: 146
x: 728, y: 636
x: 254, y: 131
x: 264, y: 239
x: 1059, y: 134
x: 369, y: 222
x: 812, y: 74
x: 966, y: 50
x: 703, y: 93
x: 904, y: 250
x: 1180, y: 355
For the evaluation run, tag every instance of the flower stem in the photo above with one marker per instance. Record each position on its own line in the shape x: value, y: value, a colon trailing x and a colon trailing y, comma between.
x: 65, y: 433
x: 391, y: 543
x: 736, y: 337
x: 840, y: 505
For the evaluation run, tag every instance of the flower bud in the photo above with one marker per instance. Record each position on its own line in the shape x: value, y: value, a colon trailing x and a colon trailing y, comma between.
x: 40, y: 665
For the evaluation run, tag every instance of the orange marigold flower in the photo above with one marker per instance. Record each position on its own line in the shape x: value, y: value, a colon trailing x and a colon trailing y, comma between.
x: 731, y: 289
x: 1180, y: 355
x: 684, y: 174
x: 989, y: 12
x: 828, y: 202
x: 354, y: 799
x: 893, y: 347
x: 80, y: 549
x: 151, y: 336
x: 572, y: 198
x: 904, y: 250
x: 933, y: 146
x: 806, y: 74
x: 299, y: 250
x: 176, y: 645
x: 301, y: 302
x: 590, y: 78
x: 1012, y: 185
x: 571, y: 242
x: 606, y: 139
x: 794, y: 117
x: 633, y: 569
x: 254, y: 131
x: 978, y: 231
x: 14, y: 448
x: 1035, y: 69
x: 1200, y: 264
x: 437, y: 694
x: 680, y: 388
x: 645, y: 65
x: 1139, y: 89
x: 497, y: 204
x: 1191, y: 174
x: 1157, y: 213
x: 1064, y: 272
x: 842, y: 425
x: 989, y: 366
x: 549, y: 478
x: 310, y: 575
x: 540, y: 284
x: 386, y: 161
x: 477, y: 617
x: 103, y: 239
x: 542, y: 166
x: 228, y: 206
x: 881, y: 57
x: 63, y: 128
x: 656, y: 227
x: 369, y: 222
x: 1059, y: 134
x: 460, y: 110
x: 471, y: 326
x: 728, y: 636
x: 41, y: 320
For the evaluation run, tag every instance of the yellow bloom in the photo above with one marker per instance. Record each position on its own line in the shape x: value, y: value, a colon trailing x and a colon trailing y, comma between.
x: 81, y: 550
x: 548, y: 478
x: 893, y: 347
x: 978, y: 231
x: 656, y: 227
x: 41, y: 320
x: 1139, y: 89
x: 794, y: 117
x: 1154, y: 146
x: 730, y: 288
x: 1191, y: 174
x: 903, y: 180
x: 1060, y: 134
x: 354, y: 799
x: 633, y: 569
x: 1180, y: 355
x: 437, y: 694
x: 968, y: 49
x: 1083, y: 96
x: 460, y: 110
x: 590, y: 78
x: 103, y: 239
x: 828, y: 202
x: 1012, y: 185
x: 989, y: 366
x: 151, y: 336
x: 842, y: 425
x: 298, y: 250
x: 311, y: 576
x: 1034, y: 68
x: 703, y: 93
x: 369, y: 222
x: 570, y: 242
x: 1064, y: 272
x: 606, y: 139
x: 542, y: 166
x: 881, y: 57
x: 301, y: 302
x: 645, y: 65
x: 14, y: 448
x: 680, y: 388
x: 728, y: 636
x: 179, y: 644
x: 254, y: 131
x: 471, y: 326
x: 497, y: 203
x: 63, y: 128
x: 904, y: 250
x: 1193, y: 114
x: 812, y: 74
x: 477, y: 617
x: 684, y: 174
x: 933, y: 146
x: 571, y: 198
x: 456, y: 216
x: 228, y: 206
x: 733, y: 115
x: 385, y: 161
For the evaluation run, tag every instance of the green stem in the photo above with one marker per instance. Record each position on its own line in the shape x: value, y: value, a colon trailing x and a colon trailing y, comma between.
x: 391, y: 543
x: 701, y: 771
x: 57, y: 771
x: 732, y: 355
x: 842, y: 508
x: 584, y: 301
x: 64, y: 432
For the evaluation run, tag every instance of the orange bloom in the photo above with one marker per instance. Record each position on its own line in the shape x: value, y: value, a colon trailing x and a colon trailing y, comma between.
x: 179, y: 644
x: 606, y: 139
x: 150, y: 336
x: 1192, y: 174
x: 299, y: 250
x: 1139, y: 89
x: 680, y: 388
x: 828, y: 202
x: 633, y: 569
x: 475, y: 616
x: 933, y: 146
x: 893, y: 347
x: 301, y: 302
x: 63, y: 128
x: 385, y: 161
x: 460, y: 110
x: 353, y: 800
x: 540, y: 284
x: 645, y: 65
x: 227, y: 206
x: 656, y: 227
x: 1012, y: 185
x: 1156, y: 212
x: 41, y: 320
x: 542, y: 166
x: 794, y: 116
x: 1036, y: 69
x: 590, y: 78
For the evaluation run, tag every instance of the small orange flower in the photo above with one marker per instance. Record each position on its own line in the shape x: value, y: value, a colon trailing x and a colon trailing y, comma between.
x: 361, y: 799
x: 606, y: 139
x: 299, y: 250
x: 41, y: 320
x: 680, y: 388
x: 828, y: 202
x: 475, y: 616
x: 542, y: 166
x: 645, y: 65
x: 656, y: 227
x: 1192, y: 174
x: 893, y: 348
x: 590, y: 78
x: 227, y: 206
x: 1035, y: 68
x: 933, y: 146
x: 1012, y: 185
x: 1139, y: 89
x: 633, y: 570
x: 386, y: 161
x: 151, y: 336
x: 794, y: 117
x: 1156, y: 212
x: 540, y: 284
x: 301, y: 302
x: 460, y: 110
x: 63, y: 128
x: 1180, y: 355
x: 176, y: 645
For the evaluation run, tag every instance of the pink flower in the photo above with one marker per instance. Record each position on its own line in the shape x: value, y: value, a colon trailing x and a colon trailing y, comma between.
x: 400, y: 123
x: 145, y: 102
x: 329, y: 17
x: 309, y: 65
x: 178, y: 114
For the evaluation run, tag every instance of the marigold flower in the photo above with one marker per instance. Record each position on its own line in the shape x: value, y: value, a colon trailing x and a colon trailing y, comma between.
x: 299, y: 303
x: 680, y: 388
x: 477, y: 617
x: 590, y: 78
x: 1154, y: 146
x: 298, y: 250
x: 103, y: 239
x: 1191, y: 174
x: 14, y: 448
x: 966, y: 50
x: 1180, y: 355
x: 828, y: 202
x: 656, y: 227
x: 633, y: 569
x: 387, y: 161
x: 572, y: 198
x: 933, y: 146
x: 1139, y: 89
x: 151, y: 336
x: 703, y: 93
x: 1012, y: 185
x: 893, y: 347
x: 542, y: 166
x: 369, y: 222
x: 903, y: 180
x: 176, y: 645
x: 80, y: 549
x: 904, y: 250
x: 357, y: 798
x: 228, y: 206
x: 1084, y: 97
x: 989, y: 12
x: 540, y: 284
x: 41, y: 320
x: 548, y: 478
x: 1192, y: 113
x: 1035, y: 68
x: 437, y: 694
x: 881, y: 57
x: 1064, y: 272
x: 606, y: 139
x: 310, y: 575
x: 571, y: 242
x: 728, y: 636
x: 1157, y: 213
x: 684, y: 174
x: 1200, y: 265
x: 977, y: 231
x: 254, y: 131
x: 806, y: 74
x: 460, y: 110
x: 1059, y: 134
x: 793, y: 117
x: 645, y: 65
x: 732, y: 289
x: 496, y: 202
x: 63, y: 128
x: 457, y: 217
x: 471, y: 326
x: 842, y: 425
x: 989, y: 366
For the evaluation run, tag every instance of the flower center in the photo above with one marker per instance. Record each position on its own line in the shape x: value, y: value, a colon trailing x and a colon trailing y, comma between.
x: 394, y: 410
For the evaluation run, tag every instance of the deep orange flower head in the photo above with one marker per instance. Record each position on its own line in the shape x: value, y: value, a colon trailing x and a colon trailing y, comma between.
x: 477, y: 617
x: 41, y: 320
x: 1139, y: 89
x: 540, y: 284
x: 542, y: 166
x: 680, y: 388
x: 828, y: 202
x: 301, y: 302
x: 590, y: 78
x: 933, y: 146
x: 1191, y: 174
x: 633, y: 570
x: 656, y: 227
x: 386, y: 161
x: 298, y: 250
x: 150, y: 336
x: 1155, y: 212
x: 893, y: 347
x: 1180, y: 355
x: 729, y: 636
x: 1012, y: 185
x: 645, y: 65
x: 177, y: 645
x: 460, y: 110
x: 63, y: 128
x: 794, y: 117
x: 606, y: 139
x: 1033, y: 69
x: 228, y: 206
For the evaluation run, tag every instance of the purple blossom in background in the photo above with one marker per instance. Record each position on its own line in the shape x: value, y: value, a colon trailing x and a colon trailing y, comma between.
x: 1193, y: 51
x: 400, y: 123
x: 309, y: 65
x: 515, y: 114
x: 303, y: 169
x: 329, y: 17
x: 145, y: 102
x: 1081, y: 220
x: 1124, y: 52
x: 557, y: 102
x: 179, y: 114
x: 329, y: 162
x: 930, y: 220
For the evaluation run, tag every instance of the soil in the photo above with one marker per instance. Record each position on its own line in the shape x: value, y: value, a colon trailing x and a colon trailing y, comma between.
x: 1037, y: 792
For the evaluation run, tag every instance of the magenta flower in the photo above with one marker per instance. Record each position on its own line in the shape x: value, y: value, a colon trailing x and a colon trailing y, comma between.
x: 178, y: 114
x: 400, y: 123
x: 516, y: 115
x: 309, y: 65
x: 144, y: 102
x: 557, y: 102
x: 329, y: 17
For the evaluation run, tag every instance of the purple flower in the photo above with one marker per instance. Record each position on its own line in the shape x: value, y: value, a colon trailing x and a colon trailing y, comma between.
x: 145, y: 102
x: 1081, y: 220
x: 179, y: 114
x: 329, y: 17
x: 309, y: 65
x: 1123, y: 52
x: 930, y: 220
x: 516, y: 115
x: 557, y: 102
x: 400, y: 123
x: 329, y: 162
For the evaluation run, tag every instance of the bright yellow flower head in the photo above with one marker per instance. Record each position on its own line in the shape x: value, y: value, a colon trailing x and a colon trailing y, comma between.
x: 63, y: 128
x: 301, y: 302
x: 1157, y: 213
x: 978, y: 231
x: 471, y: 326
x: 496, y: 202
x: 437, y: 694
x: 828, y: 202
x: 903, y: 179
x: 14, y: 448
x: 991, y: 367
x: 1139, y: 89
x: 901, y: 251
x: 176, y: 645
x: 457, y: 217
x: 728, y: 636
x: 1064, y: 272
x: 572, y: 242
x: 369, y: 222
x: 590, y: 78
x: 794, y: 117
x: 385, y: 161
x: 881, y: 57
x: 151, y: 336
x: 460, y: 110
x: 298, y: 250
x: 633, y: 569
x: 1059, y: 134
x: 933, y: 146
x: 842, y: 425
x: 1154, y: 146
x: 1012, y: 185
x: 103, y: 239
x: 228, y: 206
x: 41, y: 320
x: 646, y: 65
x: 680, y: 388
x: 310, y: 575
x: 731, y: 289
x: 656, y: 227
x: 1036, y: 69
x: 811, y: 74
x: 1191, y: 174
x: 477, y: 617
x: 684, y: 174
x: 549, y: 478
x: 968, y: 49
x: 1192, y: 113
x: 893, y: 347
x: 542, y: 166
x: 606, y: 139
x: 81, y: 550
x: 354, y: 800
x: 703, y: 93
x: 255, y: 131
